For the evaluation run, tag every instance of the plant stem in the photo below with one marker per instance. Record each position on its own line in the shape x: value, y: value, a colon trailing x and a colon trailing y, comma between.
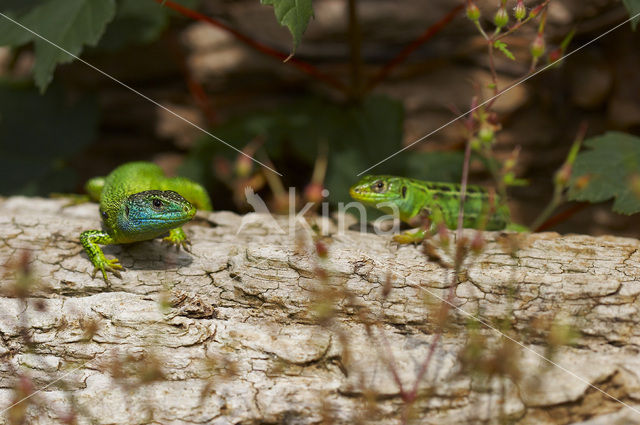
x: 463, y: 189
x: 404, y: 53
x: 305, y: 67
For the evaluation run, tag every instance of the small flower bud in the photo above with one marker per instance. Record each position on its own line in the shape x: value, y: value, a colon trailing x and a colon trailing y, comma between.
x: 555, y: 55
x: 473, y: 13
x: 244, y: 166
x: 321, y: 250
x: 538, y: 46
x: 476, y: 144
x: 520, y: 11
x: 477, y: 244
x: 314, y: 192
x: 486, y: 135
x: 501, y: 18
x: 563, y: 175
x: 536, y: 11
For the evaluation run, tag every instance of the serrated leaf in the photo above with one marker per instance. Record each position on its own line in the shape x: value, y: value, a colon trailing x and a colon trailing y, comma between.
x: 293, y: 14
x: 69, y: 24
x: 606, y: 171
x: 633, y: 6
x: 502, y: 46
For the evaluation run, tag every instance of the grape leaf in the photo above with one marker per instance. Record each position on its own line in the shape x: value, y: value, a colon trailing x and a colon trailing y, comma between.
x: 293, y: 14
x: 633, y: 6
x: 606, y: 171
x: 70, y: 24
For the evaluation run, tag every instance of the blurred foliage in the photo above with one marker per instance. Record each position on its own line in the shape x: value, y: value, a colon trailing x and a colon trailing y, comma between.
x: 138, y: 22
x: 609, y: 169
x: 358, y: 136
x: 61, y: 22
x: 633, y: 6
x: 293, y: 14
x: 37, y: 134
x: 75, y: 24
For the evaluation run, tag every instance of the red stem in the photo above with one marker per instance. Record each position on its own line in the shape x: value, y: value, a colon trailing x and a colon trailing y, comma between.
x: 391, y: 364
x: 562, y: 216
x: 404, y: 53
x: 267, y: 50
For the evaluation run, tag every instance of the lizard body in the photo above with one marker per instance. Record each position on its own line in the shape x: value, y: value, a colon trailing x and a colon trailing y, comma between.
x: 415, y: 201
x: 138, y: 202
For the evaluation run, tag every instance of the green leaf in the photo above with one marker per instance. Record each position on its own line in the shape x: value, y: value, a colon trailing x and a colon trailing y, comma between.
x: 138, y: 22
x: 38, y: 134
x: 17, y: 5
x: 633, y: 6
x: 293, y: 14
x: 69, y: 24
x: 135, y: 22
x: 606, y: 171
x: 502, y: 46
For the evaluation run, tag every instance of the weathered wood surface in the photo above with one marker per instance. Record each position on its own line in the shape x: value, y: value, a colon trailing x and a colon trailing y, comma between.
x: 239, y: 340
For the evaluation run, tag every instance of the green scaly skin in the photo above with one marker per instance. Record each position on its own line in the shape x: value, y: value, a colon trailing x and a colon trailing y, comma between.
x: 138, y: 202
x: 418, y: 201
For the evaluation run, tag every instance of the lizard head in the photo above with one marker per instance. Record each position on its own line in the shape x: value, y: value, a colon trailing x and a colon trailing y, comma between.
x: 371, y: 190
x: 154, y: 212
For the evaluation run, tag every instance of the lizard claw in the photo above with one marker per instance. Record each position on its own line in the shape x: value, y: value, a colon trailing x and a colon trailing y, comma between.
x: 184, y: 244
x: 408, y: 237
x: 105, y: 266
x: 178, y: 238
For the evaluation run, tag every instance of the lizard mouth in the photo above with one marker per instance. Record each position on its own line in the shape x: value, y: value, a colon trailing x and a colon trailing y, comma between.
x: 181, y: 219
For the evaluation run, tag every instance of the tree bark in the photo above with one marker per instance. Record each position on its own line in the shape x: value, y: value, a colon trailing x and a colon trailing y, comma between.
x: 255, y: 327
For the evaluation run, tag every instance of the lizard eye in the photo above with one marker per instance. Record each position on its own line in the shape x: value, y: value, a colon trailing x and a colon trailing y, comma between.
x: 379, y: 186
x: 157, y: 203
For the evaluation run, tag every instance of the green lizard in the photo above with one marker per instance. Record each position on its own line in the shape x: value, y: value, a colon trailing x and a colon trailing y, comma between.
x: 418, y: 201
x: 138, y: 202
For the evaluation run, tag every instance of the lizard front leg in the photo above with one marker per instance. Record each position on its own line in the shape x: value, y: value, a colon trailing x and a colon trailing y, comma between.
x: 90, y: 240
x: 178, y: 238
x: 424, y: 220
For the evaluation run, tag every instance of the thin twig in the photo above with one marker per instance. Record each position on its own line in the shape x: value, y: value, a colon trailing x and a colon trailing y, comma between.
x: 463, y: 190
x: 391, y: 362
x: 404, y: 53
x: 305, y: 67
